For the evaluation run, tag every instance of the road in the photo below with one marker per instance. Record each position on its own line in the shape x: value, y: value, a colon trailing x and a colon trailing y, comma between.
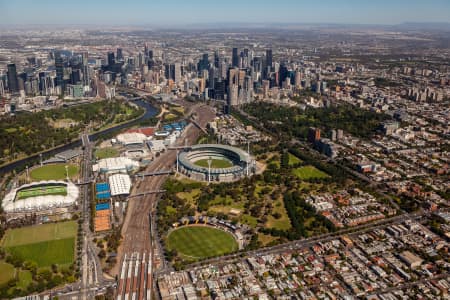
x: 306, y: 242
x: 91, y: 269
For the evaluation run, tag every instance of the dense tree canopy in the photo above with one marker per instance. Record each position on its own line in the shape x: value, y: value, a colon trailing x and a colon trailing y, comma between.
x: 27, y: 133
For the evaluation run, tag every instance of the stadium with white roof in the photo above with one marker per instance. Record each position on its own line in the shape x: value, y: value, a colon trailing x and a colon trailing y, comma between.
x: 242, y: 164
x: 40, y: 196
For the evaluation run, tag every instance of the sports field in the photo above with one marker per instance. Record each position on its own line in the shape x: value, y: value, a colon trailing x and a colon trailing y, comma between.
x: 7, y: 272
x: 42, y: 191
x: 309, y: 172
x: 106, y: 152
x: 198, y: 242
x: 54, y: 172
x: 215, y: 163
x: 44, y: 244
x: 293, y: 159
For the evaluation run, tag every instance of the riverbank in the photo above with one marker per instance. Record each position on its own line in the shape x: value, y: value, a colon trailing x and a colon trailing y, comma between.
x: 150, y: 112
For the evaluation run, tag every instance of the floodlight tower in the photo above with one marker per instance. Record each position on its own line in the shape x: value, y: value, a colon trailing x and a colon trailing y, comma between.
x: 248, y: 158
x: 67, y: 172
x: 40, y: 156
x: 178, y: 152
x: 28, y: 174
x: 209, y: 169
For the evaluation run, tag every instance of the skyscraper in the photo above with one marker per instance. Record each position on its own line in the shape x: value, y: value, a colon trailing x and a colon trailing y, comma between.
x: 150, y: 54
x: 86, y: 78
x: 269, y: 58
x: 59, y: 65
x: 235, y: 58
x: 177, y: 72
x: 283, y: 73
x: 111, y: 59
x: 203, y: 63
x: 216, y: 59
x: 119, y: 54
x: 13, y: 83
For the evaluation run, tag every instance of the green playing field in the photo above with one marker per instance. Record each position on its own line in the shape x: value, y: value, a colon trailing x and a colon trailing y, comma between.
x: 42, y: 191
x: 309, y: 172
x: 215, y: 163
x: 198, y: 242
x: 54, y: 172
x: 44, y: 244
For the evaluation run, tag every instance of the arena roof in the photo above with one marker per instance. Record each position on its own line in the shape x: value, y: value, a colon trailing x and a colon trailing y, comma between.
x: 115, y: 165
x: 224, y: 150
x: 120, y: 184
x: 243, y: 156
x: 131, y: 138
x: 38, y: 203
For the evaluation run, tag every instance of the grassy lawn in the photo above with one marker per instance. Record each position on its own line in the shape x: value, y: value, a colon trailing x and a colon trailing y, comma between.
x: 265, y: 239
x: 249, y: 220
x: 25, y: 278
x: 106, y: 152
x: 171, y: 210
x: 198, y: 242
x: 178, y: 109
x: 293, y: 159
x: 7, y: 272
x: 169, y: 117
x: 46, y: 253
x: 283, y: 223
x: 189, y: 196
x: 54, y: 172
x: 39, y: 233
x: 309, y: 172
x: 215, y: 163
x: 42, y: 191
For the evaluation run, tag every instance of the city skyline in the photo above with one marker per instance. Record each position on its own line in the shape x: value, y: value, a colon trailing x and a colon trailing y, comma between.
x: 176, y: 13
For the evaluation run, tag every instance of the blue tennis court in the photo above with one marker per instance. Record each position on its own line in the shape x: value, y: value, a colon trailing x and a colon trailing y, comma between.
x: 102, y: 206
x: 102, y: 187
x: 103, y: 196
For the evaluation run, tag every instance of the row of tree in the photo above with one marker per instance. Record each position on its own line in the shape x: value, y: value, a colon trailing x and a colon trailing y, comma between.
x: 29, y: 133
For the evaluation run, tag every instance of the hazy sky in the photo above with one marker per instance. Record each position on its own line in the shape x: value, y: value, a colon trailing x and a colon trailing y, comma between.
x: 177, y: 12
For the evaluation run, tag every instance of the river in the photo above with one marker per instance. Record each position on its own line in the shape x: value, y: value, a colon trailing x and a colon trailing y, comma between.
x: 150, y: 112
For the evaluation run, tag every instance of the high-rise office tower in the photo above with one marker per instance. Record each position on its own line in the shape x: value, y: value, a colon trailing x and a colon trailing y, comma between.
x: 235, y: 58
x: 203, y: 63
x: 140, y: 60
x: 283, y: 73
x: 150, y: 54
x: 119, y: 54
x: 245, y: 62
x: 177, y: 72
x: 146, y: 50
x: 173, y: 71
x: 111, y: 59
x: 169, y: 71
x: 59, y: 65
x: 216, y: 59
x: 85, y: 62
x: 269, y: 58
x: 13, y: 83
x: 75, y: 77
x: 233, y: 76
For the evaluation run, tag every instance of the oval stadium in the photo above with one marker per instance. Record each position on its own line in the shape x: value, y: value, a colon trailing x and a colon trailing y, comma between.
x: 39, y: 196
x: 227, y: 163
